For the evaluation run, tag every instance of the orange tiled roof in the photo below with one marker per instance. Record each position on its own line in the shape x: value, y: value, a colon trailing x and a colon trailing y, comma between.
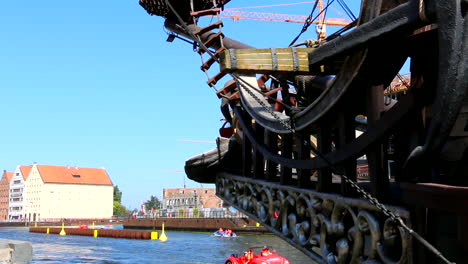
x: 77, y: 175
x: 9, y: 175
x: 25, y: 170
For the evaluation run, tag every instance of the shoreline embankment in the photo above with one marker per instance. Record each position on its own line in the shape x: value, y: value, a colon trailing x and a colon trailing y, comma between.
x: 15, y: 251
x: 239, y: 225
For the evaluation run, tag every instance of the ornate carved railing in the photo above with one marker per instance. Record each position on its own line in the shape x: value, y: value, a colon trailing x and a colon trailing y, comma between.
x: 327, y: 227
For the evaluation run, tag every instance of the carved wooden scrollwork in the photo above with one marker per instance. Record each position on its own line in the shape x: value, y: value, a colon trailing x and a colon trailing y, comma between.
x: 329, y: 228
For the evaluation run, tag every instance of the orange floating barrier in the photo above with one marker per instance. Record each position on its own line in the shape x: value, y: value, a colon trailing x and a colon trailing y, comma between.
x: 112, y: 233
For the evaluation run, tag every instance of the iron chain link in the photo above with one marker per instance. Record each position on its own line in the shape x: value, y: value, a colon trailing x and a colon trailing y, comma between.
x: 397, y: 219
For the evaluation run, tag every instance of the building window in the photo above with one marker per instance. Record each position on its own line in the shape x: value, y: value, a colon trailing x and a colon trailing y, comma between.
x: 76, y: 176
x: 17, y: 182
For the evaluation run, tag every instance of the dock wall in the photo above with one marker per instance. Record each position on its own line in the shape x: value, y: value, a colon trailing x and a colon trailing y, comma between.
x: 15, y: 251
x: 112, y: 233
x: 239, y: 225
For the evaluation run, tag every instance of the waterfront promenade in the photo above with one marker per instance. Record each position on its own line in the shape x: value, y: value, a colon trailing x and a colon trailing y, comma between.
x: 58, y: 222
x: 239, y: 225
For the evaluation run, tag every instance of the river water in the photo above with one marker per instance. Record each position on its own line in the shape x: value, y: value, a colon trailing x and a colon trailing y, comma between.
x: 181, y: 247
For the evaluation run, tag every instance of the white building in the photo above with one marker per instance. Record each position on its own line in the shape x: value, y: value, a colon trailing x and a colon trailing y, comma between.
x: 56, y: 192
x: 16, y: 196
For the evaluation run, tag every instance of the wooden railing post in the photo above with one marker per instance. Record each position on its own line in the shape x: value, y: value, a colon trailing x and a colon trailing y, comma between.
x: 346, y: 134
x: 303, y: 152
x: 271, y: 167
x: 258, y: 162
x: 247, y: 150
x: 286, y: 151
x: 377, y: 168
x: 324, y: 146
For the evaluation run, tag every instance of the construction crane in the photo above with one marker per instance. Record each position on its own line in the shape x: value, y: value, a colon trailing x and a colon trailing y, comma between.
x: 400, y: 84
x: 320, y: 20
x: 244, y: 15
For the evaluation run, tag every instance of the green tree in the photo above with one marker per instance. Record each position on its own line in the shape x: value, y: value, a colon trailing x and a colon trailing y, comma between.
x: 117, y: 194
x: 120, y: 210
x: 153, y: 202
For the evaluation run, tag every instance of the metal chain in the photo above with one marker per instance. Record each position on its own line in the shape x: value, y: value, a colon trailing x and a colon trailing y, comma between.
x: 238, y: 78
x: 197, y: 39
x: 262, y: 103
x: 397, y: 219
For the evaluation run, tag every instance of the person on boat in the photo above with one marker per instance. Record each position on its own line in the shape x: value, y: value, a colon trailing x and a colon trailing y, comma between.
x: 228, y: 232
x: 220, y: 230
x: 265, y: 252
x: 248, y: 255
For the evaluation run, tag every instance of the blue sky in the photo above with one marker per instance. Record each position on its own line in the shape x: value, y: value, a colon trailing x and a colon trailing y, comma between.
x: 95, y: 84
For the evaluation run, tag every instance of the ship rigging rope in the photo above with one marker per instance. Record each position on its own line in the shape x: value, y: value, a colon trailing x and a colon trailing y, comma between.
x: 252, y: 7
x: 422, y: 12
x: 396, y: 218
x: 347, y: 9
x: 325, y: 14
x: 202, y: 46
x: 307, y: 23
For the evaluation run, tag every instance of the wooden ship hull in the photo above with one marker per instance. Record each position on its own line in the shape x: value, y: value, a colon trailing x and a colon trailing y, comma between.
x: 302, y: 119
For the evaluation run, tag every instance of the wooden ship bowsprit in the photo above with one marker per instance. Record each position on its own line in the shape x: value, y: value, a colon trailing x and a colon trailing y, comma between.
x: 289, y: 159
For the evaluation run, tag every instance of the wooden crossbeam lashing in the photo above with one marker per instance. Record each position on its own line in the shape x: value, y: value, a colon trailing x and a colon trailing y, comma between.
x: 265, y: 60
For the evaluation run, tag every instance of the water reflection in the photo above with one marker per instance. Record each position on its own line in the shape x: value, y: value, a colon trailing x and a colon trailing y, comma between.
x: 182, y: 247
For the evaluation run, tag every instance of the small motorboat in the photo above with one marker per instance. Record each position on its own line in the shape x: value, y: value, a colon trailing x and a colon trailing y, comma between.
x: 107, y: 227
x: 264, y: 256
x: 82, y: 227
x: 224, y: 234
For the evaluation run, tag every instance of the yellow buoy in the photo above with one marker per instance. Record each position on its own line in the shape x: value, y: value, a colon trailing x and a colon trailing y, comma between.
x: 163, y: 236
x: 48, y: 231
x: 154, y: 235
x: 62, y: 232
x: 95, y: 233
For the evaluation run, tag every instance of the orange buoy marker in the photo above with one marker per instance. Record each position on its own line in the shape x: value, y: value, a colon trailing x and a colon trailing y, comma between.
x: 62, y: 232
x: 163, y: 236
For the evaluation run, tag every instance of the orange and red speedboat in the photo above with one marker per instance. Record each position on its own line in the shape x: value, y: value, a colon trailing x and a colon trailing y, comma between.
x: 264, y: 256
